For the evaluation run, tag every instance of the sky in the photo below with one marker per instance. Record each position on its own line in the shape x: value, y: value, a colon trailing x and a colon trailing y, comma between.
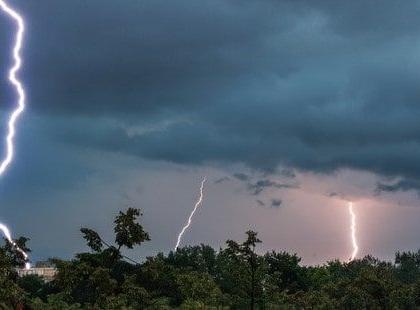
x: 290, y: 108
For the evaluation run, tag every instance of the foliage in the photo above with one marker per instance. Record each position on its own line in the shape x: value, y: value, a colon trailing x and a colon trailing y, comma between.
x: 199, y: 277
x: 93, y: 239
x: 128, y: 233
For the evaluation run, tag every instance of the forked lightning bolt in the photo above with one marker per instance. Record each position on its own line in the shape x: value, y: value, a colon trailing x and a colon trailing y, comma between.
x: 353, y: 231
x: 13, y: 79
x: 197, y: 204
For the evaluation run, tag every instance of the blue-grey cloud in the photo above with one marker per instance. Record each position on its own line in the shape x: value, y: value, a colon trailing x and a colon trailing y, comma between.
x: 242, y: 176
x: 311, y: 85
x: 401, y: 185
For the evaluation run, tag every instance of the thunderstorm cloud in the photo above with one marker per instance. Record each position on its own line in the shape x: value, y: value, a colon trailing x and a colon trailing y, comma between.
x: 312, y: 85
x: 279, y: 88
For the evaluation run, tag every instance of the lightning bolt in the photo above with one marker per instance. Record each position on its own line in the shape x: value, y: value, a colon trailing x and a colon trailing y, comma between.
x: 14, y: 116
x: 197, y: 204
x: 8, y: 235
x: 353, y: 231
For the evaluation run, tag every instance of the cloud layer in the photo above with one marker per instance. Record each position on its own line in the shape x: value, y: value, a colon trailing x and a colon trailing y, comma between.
x: 315, y: 85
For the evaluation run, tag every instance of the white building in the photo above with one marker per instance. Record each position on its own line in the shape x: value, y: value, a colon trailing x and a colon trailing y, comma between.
x: 47, y: 273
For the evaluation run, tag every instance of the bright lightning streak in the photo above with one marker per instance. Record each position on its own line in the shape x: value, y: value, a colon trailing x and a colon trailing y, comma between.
x: 353, y: 231
x: 21, y: 103
x: 197, y: 204
x: 16, y: 83
x: 8, y: 236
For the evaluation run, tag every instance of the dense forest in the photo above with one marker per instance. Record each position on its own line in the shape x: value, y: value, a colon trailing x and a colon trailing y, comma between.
x: 200, y: 277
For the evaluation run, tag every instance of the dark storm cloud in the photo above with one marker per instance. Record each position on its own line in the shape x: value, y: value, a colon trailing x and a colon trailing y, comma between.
x: 221, y: 180
x: 259, y: 186
x: 276, y: 203
x: 287, y: 173
x: 241, y: 176
x: 312, y: 85
x: 402, y: 185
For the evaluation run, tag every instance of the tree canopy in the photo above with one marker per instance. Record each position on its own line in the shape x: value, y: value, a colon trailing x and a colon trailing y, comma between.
x: 237, y: 276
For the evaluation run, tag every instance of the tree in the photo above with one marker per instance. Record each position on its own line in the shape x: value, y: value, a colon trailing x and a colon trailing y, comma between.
x: 198, y: 287
x: 54, y: 302
x: 17, y: 257
x: 33, y: 285
x: 407, y: 266
x: 200, y: 258
x: 159, y: 279
x: 285, y: 273
x: 199, y: 277
x: 101, y: 278
x: 93, y: 239
x: 11, y: 294
x: 128, y: 233
x: 248, y: 265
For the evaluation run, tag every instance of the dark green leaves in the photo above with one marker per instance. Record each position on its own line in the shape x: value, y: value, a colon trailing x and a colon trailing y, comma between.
x: 93, y: 239
x: 127, y: 231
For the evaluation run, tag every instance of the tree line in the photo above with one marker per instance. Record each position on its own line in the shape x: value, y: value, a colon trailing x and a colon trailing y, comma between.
x: 200, y: 277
